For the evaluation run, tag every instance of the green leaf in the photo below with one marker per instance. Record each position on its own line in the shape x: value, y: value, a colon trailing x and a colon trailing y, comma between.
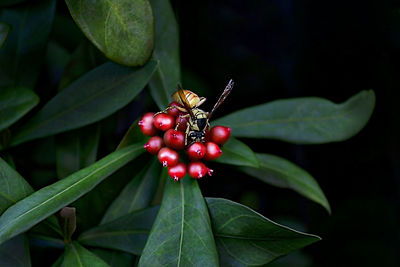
x: 15, y: 103
x: 123, y: 30
x: 50, y: 199
x: 4, y: 30
x: 76, y: 150
x: 246, y: 238
x: 114, y: 258
x: 136, y: 195
x: 76, y: 255
x: 309, y: 120
x: 282, y: 173
x: 127, y: 233
x: 181, y: 234
x: 22, y: 55
x: 12, y: 186
x: 166, y: 51
x: 132, y: 136
x: 238, y: 153
x: 93, y: 97
x: 15, y: 252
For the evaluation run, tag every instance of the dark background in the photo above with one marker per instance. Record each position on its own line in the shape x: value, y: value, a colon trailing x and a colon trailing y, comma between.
x: 286, y: 48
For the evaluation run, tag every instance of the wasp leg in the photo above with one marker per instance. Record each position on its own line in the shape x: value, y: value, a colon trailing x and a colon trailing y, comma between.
x: 180, y: 120
x: 171, y: 107
x: 187, y: 133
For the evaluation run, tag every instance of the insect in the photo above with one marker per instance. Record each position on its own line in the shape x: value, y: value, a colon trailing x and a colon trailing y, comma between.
x: 198, y: 119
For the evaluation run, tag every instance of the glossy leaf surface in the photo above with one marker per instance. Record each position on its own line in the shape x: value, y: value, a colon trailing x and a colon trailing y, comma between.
x: 181, y: 234
x: 137, y: 194
x: 15, y: 252
x: 76, y: 255
x: 246, y: 238
x: 4, y: 30
x: 127, y: 233
x: 22, y: 55
x: 168, y: 74
x: 238, y: 153
x: 15, y: 103
x: 114, y: 258
x: 93, y: 97
x: 12, y: 186
x: 309, y: 120
x: 283, y: 173
x: 122, y: 29
x: 50, y: 199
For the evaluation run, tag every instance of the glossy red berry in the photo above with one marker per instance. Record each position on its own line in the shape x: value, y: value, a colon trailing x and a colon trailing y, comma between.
x: 168, y: 157
x: 154, y: 145
x: 178, y: 171
x: 183, y: 123
x: 212, y: 151
x: 220, y: 134
x: 147, y: 124
x: 174, y: 111
x: 174, y: 139
x: 197, y: 169
x: 196, y: 151
x: 164, y: 121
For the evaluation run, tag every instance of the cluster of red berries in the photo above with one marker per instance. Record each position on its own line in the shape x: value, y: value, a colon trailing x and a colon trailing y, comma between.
x: 172, y: 141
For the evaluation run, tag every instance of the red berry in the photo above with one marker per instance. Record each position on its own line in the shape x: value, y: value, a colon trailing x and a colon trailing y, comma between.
x: 178, y: 171
x: 197, y: 169
x: 212, y: 151
x: 183, y: 122
x: 164, y: 121
x: 147, y: 124
x: 174, y: 139
x: 174, y: 111
x: 154, y: 145
x: 168, y: 157
x: 220, y: 134
x: 196, y: 151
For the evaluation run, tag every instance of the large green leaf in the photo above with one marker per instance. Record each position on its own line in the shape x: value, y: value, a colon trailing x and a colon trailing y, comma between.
x: 15, y: 252
x: 78, y: 256
x: 238, y: 153
x: 50, y: 199
x: 282, y: 173
x: 136, y: 195
x: 22, y: 55
x: 12, y: 186
x: 127, y: 233
x: 4, y: 30
x: 308, y: 120
x: 93, y: 97
x: 123, y: 30
x: 114, y: 258
x: 246, y: 238
x: 181, y: 234
x: 76, y: 150
x: 15, y: 103
x: 168, y: 74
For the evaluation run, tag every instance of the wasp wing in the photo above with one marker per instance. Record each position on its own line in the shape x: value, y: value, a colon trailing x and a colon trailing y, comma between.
x: 184, y: 101
x: 225, y: 93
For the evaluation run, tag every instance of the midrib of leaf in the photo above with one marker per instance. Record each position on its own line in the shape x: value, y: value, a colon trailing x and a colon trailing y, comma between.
x: 182, y: 223
x: 281, y: 171
x: 113, y: 233
x: 66, y: 189
x: 295, y: 119
x: 120, y: 20
x: 75, y: 106
x: 258, y: 238
x: 77, y: 254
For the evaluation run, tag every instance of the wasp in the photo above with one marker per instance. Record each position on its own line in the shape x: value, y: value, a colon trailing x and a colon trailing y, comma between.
x: 198, y: 121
